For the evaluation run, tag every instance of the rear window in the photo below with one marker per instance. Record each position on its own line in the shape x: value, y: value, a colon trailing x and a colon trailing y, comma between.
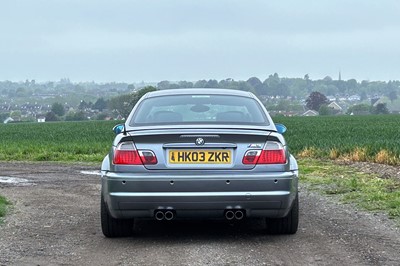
x: 199, y: 109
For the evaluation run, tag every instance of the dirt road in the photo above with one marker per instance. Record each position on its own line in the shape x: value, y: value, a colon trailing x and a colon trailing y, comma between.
x: 55, y: 221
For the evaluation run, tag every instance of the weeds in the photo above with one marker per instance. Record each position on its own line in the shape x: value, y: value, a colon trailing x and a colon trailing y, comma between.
x: 368, y: 191
x: 3, y: 207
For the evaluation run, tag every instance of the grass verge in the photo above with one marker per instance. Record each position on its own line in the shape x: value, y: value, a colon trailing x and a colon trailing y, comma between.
x: 367, y: 191
x: 3, y: 207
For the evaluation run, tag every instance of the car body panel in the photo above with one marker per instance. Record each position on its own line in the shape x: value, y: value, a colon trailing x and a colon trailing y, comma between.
x: 260, y: 195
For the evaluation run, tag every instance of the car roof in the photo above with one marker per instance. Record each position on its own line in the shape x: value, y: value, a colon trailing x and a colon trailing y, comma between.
x: 200, y: 91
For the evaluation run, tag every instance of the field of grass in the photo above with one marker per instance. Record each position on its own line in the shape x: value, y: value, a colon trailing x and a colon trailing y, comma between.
x: 58, y: 141
x: 358, y: 138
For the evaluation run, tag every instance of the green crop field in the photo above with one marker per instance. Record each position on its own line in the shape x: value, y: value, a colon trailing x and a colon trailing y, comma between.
x: 58, y: 141
x: 358, y: 138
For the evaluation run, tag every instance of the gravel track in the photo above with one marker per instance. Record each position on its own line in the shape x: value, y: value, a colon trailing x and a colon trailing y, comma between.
x: 55, y: 221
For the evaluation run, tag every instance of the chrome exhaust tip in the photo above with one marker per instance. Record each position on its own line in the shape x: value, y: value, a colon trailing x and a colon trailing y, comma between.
x: 169, y: 215
x: 229, y: 215
x: 159, y: 215
x: 239, y: 215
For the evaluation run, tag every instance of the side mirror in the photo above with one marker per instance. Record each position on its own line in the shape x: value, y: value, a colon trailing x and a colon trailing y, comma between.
x: 280, y: 128
x: 118, y: 129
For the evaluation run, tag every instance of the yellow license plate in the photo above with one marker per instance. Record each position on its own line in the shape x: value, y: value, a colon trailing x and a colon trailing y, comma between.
x: 200, y: 156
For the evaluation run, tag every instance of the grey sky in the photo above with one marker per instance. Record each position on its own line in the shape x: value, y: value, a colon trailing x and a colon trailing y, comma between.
x: 133, y: 40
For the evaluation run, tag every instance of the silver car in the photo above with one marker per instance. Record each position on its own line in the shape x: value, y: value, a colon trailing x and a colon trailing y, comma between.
x: 199, y: 153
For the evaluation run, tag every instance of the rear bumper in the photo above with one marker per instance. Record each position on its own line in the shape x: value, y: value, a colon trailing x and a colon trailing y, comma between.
x: 259, y: 195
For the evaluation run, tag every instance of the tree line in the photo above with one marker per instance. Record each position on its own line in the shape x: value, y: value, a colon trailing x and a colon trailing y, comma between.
x: 119, y: 98
x: 273, y: 86
x: 298, y: 88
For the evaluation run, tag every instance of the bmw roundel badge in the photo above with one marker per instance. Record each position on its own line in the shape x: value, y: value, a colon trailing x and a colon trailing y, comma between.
x: 199, y: 141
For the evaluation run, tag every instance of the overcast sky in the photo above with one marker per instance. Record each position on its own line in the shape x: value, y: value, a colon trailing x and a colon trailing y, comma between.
x: 133, y: 41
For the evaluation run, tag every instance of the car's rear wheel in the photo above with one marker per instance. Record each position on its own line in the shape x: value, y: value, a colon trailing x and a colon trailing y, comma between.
x: 112, y: 227
x: 285, y: 225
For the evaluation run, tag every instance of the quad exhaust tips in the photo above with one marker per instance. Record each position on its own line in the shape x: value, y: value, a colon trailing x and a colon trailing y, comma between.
x: 164, y: 215
x: 234, y: 214
x: 230, y: 214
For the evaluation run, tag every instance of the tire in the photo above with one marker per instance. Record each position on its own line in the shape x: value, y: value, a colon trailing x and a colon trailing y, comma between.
x: 285, y: 225
x: 112, y: 227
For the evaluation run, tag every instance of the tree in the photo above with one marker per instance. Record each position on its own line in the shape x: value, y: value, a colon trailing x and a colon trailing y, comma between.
x: 325, y: 110
x: 131, y: 87
x: 332, y: 90
x: 58, y: 109
x: 163, y: 85
x: 185, y: 84
x: 69, y: 116
x: 381, y: 108
x: 84, y: 105
x: 352, y: 85
x: 4, y: 116
x: 258, y: 86
x: 255, y: 82
x: 140, y: 93
x: 392, y: 96
x: 200, y: 84
x: 78, y: 116
x: 272, y: 83
x: 51, y: 116
x: 22, y: 92
x: 123, y: 104
x: 363, y: 96
x: 212, y: 83
x: 244, y: 86
x: 101, y: 116
x: 100, y: 104
x: 283, y: 90
x: 315, y: 100
x: 359, y: 109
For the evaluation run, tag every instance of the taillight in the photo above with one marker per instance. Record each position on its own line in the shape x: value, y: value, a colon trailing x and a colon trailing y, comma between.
x: 251, y: 157
x: 126, y: 153
x: 147, y: 157
x: 273, y: 153
x: 272, y: 157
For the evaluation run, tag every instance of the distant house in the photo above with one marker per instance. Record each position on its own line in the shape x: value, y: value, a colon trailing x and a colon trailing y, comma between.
x: 377, y: 101
x: 354, y: 98
x: 41, y: 119
x: 335, y: 106
x: 9, y: 119
x: 310, y: 113
x: 331, y: 98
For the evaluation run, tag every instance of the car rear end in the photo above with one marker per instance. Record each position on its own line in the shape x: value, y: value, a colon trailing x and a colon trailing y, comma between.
x: 217, y: 165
